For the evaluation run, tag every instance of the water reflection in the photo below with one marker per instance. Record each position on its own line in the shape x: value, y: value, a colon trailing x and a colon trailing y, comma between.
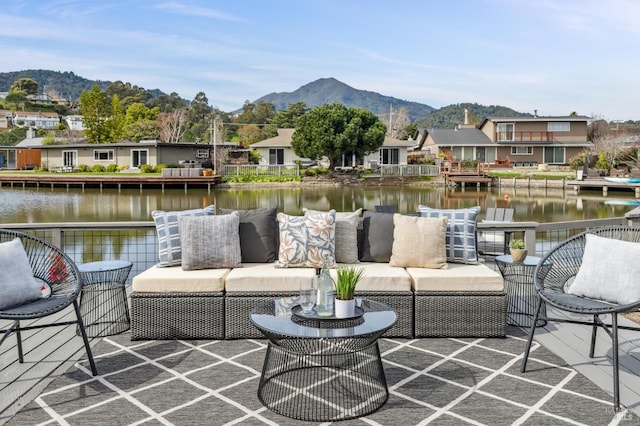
x: 75, y: 205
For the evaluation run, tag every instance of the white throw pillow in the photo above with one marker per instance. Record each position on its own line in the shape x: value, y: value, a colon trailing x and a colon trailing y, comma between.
x: 346, y: 249
x: 610, y: 271
x: 17, y: 283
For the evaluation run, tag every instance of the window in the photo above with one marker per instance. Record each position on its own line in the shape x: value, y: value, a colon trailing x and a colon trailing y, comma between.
x: 69, y: 158
x: 554, y: 155
x: 462, y: 153
x: 521, y: 150
x: 276, y: 156
x: 561, y: 126
x: 202, y: 153
x: 505, y: 131
x: 389, y: 156
x: 102, y: 155
x: 139, y: 157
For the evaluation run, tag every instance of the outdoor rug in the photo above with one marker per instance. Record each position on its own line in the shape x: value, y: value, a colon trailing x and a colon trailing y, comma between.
x: 431, y: 381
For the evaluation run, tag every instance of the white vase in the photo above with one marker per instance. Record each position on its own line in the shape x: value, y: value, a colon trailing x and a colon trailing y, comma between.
x: 345, y: 308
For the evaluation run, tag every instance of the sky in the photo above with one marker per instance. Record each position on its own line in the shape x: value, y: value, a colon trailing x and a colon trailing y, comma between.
x: 553, y: 56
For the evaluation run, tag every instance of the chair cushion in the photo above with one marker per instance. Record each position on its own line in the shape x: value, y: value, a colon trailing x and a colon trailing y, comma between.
x: 265, y: 277
x: 305, y: 241
x: 457, y: 277
x: 377, y: 237
x: 346, y: 250
x: 169, y: 248
x: 379, y: 276
x: 419, y: 242
x: 17, y: 283
x: 210, y: 241
x: 258, y: 228
x: 461, y: 232
x: 609, y: 271
x: 175, y: 280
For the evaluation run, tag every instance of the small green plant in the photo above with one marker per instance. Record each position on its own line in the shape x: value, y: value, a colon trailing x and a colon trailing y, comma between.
x: 98, y: 168
x: 84, y: 168
x: 112, y: 168
x: 146, y: 168
x: 517, y: 244
x: 348, y: 277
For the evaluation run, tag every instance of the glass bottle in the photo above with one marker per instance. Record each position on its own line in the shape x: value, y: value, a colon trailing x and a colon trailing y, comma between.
x: 326, y: 292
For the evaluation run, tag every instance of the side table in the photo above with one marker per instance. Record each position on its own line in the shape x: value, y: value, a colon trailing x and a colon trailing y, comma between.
x: 521, y: 294
x: 103, y: 300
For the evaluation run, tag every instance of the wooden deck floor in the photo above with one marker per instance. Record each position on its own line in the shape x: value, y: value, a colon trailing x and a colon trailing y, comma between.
x: 50, y: 352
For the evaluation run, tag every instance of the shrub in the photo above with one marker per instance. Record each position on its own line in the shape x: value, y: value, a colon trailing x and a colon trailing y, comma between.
x: 603, y: 162
x: 123, y: 167
x: 146, y: 168
x: 97, y: 168
x: 577, y: 161
x: 84, y: 168
x: 159, y: 167
x: 112, y: 168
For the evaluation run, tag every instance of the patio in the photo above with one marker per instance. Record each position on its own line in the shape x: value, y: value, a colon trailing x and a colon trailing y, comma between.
x: 451, y: 381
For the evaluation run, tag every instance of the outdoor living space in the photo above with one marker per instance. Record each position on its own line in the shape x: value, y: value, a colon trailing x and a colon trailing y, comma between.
x: 475, y: 380
x: 439, y: 380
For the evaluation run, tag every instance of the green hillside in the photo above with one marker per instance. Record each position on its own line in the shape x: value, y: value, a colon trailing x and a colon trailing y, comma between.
x: 65, y: 84
x: 330, y: 90
x: 450, y: 116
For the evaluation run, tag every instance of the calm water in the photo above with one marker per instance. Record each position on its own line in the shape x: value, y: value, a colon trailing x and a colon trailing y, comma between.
x: 62, y: 205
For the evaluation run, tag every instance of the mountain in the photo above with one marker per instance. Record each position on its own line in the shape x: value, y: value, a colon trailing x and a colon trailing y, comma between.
x: 450, y: 116
x: 64, y: 84
x: 330, y: 90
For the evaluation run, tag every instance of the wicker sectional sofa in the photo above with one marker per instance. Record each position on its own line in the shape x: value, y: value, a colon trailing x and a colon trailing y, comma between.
x: 171, y: 303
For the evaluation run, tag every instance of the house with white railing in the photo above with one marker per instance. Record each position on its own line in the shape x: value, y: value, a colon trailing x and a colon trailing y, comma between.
x: 36, y: 119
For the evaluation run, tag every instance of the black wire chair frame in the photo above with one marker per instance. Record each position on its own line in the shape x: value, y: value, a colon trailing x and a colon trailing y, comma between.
x: 551, y: 282
x: 53, y: 267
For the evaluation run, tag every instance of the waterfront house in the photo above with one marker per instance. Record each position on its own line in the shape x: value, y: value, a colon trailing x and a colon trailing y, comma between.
x: 278, y: 151
x: 36, y: 119
x: 518, y: 141
x: 5, y: 118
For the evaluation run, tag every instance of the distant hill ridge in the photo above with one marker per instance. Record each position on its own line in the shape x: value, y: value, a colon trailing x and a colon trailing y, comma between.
x: 330, y: 90
x: 325, y: 90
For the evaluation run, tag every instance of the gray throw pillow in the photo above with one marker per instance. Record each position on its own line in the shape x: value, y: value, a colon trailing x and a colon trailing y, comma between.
x: 169, y: 251
x: 461, y: 243
x: 377, y: 237
x: 210, y: 242
x: 17, y: 283
x: 257, y: 234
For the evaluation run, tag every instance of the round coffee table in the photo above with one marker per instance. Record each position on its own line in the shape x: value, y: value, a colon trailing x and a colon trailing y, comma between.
x: 325, y: 369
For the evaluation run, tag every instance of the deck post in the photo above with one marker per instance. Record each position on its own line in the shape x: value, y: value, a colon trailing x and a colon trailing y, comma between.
x: 605, y: 189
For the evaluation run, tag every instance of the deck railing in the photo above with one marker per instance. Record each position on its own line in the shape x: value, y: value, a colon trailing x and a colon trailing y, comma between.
x: 137, y: 241
x: 386, y: 170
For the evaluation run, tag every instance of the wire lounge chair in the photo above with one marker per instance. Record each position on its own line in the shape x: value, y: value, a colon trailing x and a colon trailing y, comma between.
x: 59, y: 272
x: 550, y: 283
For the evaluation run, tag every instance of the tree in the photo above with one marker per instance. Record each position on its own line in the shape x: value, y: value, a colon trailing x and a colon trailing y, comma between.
x: 286, y: 118
x: 95, y: 113
x: 172, y: 125
x: 333, y: 130
x: 249, y: 134
x: 23, y: 84
x: 115, y: 121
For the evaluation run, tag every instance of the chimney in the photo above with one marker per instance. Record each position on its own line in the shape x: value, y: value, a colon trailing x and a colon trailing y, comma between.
x: 535, y: 112
x: 466, y: 116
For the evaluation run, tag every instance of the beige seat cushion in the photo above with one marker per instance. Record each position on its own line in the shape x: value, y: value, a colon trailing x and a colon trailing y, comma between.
x: 266, y: 277
x: 380, y: 277
x: 174, y: 279
x: 457, y: 277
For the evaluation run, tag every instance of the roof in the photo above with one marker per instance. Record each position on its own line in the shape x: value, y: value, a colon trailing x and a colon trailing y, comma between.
x: 460, y: 137
x: 283, y: 140
x: 536, y: 118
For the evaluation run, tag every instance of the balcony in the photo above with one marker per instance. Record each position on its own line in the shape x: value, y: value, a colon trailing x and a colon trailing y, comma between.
x: 502, y: 137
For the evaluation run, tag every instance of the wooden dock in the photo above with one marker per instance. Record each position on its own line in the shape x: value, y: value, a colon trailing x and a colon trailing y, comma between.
x: 69, y: 180
x: 603, y: 185
x: 454, y: 172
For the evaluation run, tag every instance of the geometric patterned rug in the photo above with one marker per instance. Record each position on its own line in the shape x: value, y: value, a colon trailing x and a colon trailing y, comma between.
x: 443, y: 381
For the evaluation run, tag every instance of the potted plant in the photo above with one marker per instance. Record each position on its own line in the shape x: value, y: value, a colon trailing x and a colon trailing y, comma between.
x: 348, y: 277
x: 518, y: 252
x: 207, y: 172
